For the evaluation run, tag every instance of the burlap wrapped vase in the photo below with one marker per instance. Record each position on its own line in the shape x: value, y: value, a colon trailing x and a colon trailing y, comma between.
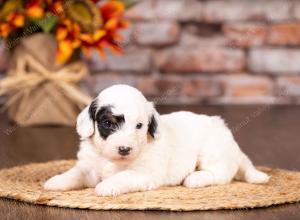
x: 40, y: 91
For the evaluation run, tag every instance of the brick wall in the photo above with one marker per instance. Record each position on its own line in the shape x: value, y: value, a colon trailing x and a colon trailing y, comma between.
x: 208, y: 52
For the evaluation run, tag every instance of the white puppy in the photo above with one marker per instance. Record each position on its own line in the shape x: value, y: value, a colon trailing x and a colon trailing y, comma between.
x: 126, y: 146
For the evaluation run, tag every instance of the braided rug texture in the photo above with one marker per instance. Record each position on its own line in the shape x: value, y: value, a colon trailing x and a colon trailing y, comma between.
x: 24, y: 183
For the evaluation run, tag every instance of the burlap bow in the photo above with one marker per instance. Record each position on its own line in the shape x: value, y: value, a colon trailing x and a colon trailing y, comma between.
x: 20, y: 80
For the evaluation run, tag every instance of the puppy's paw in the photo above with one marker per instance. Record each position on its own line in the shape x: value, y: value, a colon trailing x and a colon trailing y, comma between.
x: 197, y: 179
x: 58, y: 183
x: 193, y: 182
x: 256, y: 176
x: 109, y: 188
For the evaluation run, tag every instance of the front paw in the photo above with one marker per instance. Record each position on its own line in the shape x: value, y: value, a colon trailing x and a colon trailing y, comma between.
x: 58, y: 183
x: 109, y: 188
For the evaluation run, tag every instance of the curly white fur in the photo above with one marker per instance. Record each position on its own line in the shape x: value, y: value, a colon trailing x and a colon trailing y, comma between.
x: 186, y: 148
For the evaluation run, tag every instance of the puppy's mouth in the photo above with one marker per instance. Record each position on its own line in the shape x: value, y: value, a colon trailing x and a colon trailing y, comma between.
x: 122, y: 159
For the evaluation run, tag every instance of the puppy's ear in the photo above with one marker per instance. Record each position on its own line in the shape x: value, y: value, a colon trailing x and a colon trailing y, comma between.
x: 153, y: 125
x: 85, y: 120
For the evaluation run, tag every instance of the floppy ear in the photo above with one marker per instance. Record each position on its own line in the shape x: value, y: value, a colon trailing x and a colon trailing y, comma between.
x: 153, y: 125
x: 85, y: 121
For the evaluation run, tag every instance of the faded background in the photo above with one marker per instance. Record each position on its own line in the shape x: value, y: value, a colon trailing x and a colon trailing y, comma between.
x: 206, y: 52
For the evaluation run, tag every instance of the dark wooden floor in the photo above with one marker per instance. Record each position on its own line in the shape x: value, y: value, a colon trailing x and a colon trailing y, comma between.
x: 269, y: 135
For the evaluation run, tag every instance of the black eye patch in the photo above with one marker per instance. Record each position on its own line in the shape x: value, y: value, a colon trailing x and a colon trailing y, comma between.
x: 108, y: 123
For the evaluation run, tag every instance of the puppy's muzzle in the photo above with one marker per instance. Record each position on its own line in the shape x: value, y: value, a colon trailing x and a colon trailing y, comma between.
x: 124, y: 151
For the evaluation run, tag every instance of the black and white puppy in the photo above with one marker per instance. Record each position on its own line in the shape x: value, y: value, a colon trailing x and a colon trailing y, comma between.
x: 126, y: 146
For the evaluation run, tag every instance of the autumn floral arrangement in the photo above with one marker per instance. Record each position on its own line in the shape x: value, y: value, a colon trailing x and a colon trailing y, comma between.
x: 76, y: 24
x: 46, y: 39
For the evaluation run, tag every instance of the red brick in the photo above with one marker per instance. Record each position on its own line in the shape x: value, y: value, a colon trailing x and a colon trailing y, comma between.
x: 201, y: 34
x: 237, y: 10
x: 160, y: 86
x: 253, y: 100
x: 201, y: 87
x: 184, y: 86
x: 296, y: 10
x: 127, y: 36
x: 95, y: 63
x: 191, y: 11
x: 184, y: 10
x: 200, y: 59
x: 245, y: 35
x: 288, y: 86
x: 169, y: 89
x: 246, y: 85
x: 284, y: 34
x: 156, y: 33
x: 190, y: 39
x: 178, y: 89
x: 275, y: 60
x: 161, y: 90
x: 276, y: 10
x: 95, y: 83
x: 212, y: 10
x: 231, y: 10
x: 132, y: 61
x: 245, y: 89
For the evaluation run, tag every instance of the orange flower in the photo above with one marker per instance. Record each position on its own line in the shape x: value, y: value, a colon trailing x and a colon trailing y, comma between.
x: 112, y: 14
x: 55, y: 6
x: 68, y: 39
x: 12, y: 22
x: 34, y: 9
x: 112, y: 9
x: 70, y: 36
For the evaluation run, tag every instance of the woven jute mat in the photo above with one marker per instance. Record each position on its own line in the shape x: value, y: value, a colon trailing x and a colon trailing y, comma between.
x: 24, y: 183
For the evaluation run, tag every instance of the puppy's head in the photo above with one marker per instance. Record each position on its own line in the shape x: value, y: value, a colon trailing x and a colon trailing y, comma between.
x: 120, y: 122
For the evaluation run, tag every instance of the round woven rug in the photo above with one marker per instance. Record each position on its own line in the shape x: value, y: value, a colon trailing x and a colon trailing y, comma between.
x: 24, y: 183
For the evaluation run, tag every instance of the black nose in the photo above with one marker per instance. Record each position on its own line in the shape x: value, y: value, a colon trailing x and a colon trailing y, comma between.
x: 124, y: 151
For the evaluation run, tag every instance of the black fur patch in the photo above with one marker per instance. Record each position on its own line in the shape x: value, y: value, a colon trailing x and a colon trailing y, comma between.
x: 152, y: 126
x: 108, y: 123
x: 93, y: 110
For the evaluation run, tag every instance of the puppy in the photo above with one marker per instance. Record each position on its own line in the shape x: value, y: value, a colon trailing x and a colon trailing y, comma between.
x: 126, y: 146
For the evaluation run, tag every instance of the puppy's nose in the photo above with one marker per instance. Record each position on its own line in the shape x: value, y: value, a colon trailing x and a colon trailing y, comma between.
x: 124, y: 151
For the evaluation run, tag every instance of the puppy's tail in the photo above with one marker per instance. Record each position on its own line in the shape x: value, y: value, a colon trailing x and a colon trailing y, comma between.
x: 247, y: 172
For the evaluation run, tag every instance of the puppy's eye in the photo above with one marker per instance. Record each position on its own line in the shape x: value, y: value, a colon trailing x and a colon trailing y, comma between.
x: 108, y: 125
x: 139, y: 126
